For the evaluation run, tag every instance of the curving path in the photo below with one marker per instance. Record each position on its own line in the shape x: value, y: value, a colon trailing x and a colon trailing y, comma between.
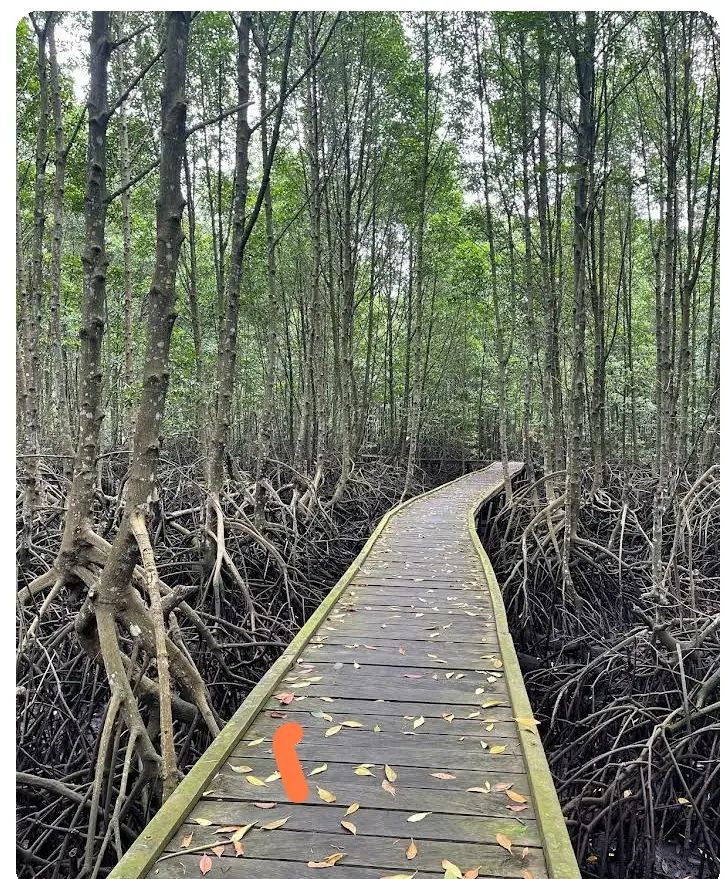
x: 407, y: 686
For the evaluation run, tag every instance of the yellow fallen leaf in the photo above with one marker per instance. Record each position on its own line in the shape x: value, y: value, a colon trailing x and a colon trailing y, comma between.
x: 411, y: 851
x: 362, y: 770
x: 318, y: 769
x: 239, y: 834
x: 504, y: 842
x: 255, y: 742
x: 516, y: 797
x: 349, y: 826
x: 273, y: 777
x: 254, y: 781
x: 419, y: 816
x: 491, y: 703
x: 683, y: 801
x: 353, y: 807
x: 497, y: 749
x: 376, y: 728
x: 390, y: 773
x: 399, y: 876
x: 528, y: 723
x: 205, y: 822
x: 274, y: 825
x: 448, y: 717
x: 351, y: 723
x: 419, y: 721
x: 452, y: 871
x: 333, y: 730
x: 326, y: 795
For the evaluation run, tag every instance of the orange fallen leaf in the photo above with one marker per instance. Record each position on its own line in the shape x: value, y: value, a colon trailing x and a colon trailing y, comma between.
x: 238, y: 849
x: 516, y: 797
x: 218, y: 850
x: 504, y: 842
x: 329, y: 861
x: 528, y: 875
x: 411, y: 851
x: 472, y: 874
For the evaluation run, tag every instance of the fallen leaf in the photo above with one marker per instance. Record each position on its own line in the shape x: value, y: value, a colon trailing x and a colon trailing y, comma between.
x: 326, y: 795
x: 362, y: 770
x: 284, y: 698
x: 419, y: 816
x: 411, y: 851
x: 353, y: 807
x: 239, y: 834
x: 413, y: 676
x: 255, y: 742
x: 476, y: 790
x: 318, y: 769
x: 387, y: 786
x: 186, y: 841
x: 400, y: 876
x: 419, y: 721
x: 504, y: 842
x: 517, y: 808
x: 273, y: 777
x: 472, y: 874
x: 528, y: 875
x: 444, y: 776
x: 238, y: 849
x: 351, y: 723
x: 277, y: 715
x: 376, y: 728
x: 683, y: 801
x: 524, y: 853
x: 218, y: 850
x: 229, y: 829
x: 528, y: 723
x: 322, y: 715
x: 205, y: 863
x: 516, y: 797
x: 502, y: 785
x: 265, y: 805
x: 452, y: 871
x: 275, y: 825
x: 329, y: 861
x: 254, y: 781
x: 448, y: 717
x: 240, y: 768
x: 390, y: 773
x: 491, y: 703
x: 349, y: 826
x: 332, y: 730
x: 497, y: 749
x: 205, y: 822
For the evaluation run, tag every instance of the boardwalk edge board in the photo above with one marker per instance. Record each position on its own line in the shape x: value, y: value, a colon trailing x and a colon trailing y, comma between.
x: 150, y: 844
x: 558, y: 852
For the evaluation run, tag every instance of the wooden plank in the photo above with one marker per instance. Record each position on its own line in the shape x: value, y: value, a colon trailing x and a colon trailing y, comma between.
x: 383, y: 853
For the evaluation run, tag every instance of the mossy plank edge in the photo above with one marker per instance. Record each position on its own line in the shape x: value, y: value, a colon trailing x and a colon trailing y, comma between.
x: 558, y: 852
x: 150, y: 844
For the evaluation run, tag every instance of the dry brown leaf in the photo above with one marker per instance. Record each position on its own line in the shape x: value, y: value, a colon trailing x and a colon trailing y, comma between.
x: 205, y: 863
x: 218, y: 850
x: 349, y: 826
x: 186, y: 841
x: 411, y: 851
x: 504, y: 842
x: 238, y: 849
x: 329, y: 861
x: 472, y: 874
x: 528, y: 875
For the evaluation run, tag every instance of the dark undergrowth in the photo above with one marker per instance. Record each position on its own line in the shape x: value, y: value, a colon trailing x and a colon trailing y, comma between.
x: 627, y: 691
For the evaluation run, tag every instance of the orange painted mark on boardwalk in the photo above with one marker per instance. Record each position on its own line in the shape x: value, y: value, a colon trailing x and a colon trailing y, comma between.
x: 283, y: 747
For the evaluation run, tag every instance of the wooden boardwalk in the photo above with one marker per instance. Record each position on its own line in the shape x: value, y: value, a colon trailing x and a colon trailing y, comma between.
x: 417, y: 730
